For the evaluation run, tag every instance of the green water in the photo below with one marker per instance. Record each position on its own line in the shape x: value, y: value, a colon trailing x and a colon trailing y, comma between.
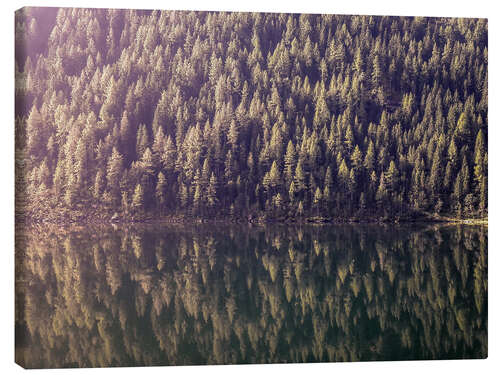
x: 179, y: 295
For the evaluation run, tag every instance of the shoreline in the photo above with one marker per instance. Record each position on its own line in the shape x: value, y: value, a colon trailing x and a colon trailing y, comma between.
x: 189, y: 220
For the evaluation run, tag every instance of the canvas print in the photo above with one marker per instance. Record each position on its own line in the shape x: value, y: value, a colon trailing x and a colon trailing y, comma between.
x: 240, y: 188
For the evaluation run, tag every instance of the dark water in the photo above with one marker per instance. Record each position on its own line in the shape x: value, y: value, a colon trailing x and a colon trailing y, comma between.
x: 173, y: 295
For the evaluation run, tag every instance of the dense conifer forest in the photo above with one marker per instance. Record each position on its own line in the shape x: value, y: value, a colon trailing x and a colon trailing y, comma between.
x: 138, y: 114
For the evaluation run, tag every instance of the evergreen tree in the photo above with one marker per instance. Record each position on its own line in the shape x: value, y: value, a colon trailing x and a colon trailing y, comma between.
x: 161, y: 187
x: 212, y: 191
x: 138, y: 198
x: 114, y: 174
x: 479, y: 170
x: 317, y: 199
x: 289, y: 162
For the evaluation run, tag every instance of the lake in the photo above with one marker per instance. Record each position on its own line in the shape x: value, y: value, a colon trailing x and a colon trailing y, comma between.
x: 220, y: 294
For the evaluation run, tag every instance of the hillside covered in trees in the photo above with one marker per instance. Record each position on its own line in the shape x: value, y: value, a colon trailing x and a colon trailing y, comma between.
x: 277, y: 116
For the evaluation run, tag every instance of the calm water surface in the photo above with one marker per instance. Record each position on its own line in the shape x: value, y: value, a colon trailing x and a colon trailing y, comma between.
x: 180, y: 295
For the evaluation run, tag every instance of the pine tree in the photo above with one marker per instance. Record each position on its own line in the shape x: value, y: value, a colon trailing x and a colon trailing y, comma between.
x: 58, y: 181
x: 327, y: 190
x: 71, y: 190
x: 463, y: 131
x: 168, y: 156
x: 392, y: 178
x: 299, y: 178
x: 343, y: 176
x: 317, y: 199
x: 322, y: 113
x: 382, y: 192
x: 161, y: 112
x: 278, y: 202
x: 158, y: 147
x: 483, y: 190
x: 183, y: 196
x: 274, y: 175
x: 436, y: 175
x: 357, y: 160
x: 35, y: 130
x: 197, y: 198
x: 138, y: 198
x: 300, y: 209
x: 142, y: 140
x: 291, y: 192
x: 289, y: 162
x: 369, y: 162
x: 125, y: 131
x: 114, y: 174
x: 212, y: 191
x: 233, y: 136
x: 161, y: 186
x: 465, y: 176
x: 478, y: 161
x: 125, y: 202
x: 98, y: 184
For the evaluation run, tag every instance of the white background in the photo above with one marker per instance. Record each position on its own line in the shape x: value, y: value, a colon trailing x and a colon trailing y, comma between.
x: 470, y: 8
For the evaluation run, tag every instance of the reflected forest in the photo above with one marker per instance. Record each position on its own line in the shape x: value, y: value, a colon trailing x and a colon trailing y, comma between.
x: 159, y: 295
x: 225, y: 188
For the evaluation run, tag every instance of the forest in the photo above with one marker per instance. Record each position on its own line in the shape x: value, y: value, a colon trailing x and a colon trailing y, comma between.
x: 135, y: 114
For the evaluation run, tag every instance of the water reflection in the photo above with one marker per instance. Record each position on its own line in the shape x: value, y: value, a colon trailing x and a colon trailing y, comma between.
x: 234, y: 294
